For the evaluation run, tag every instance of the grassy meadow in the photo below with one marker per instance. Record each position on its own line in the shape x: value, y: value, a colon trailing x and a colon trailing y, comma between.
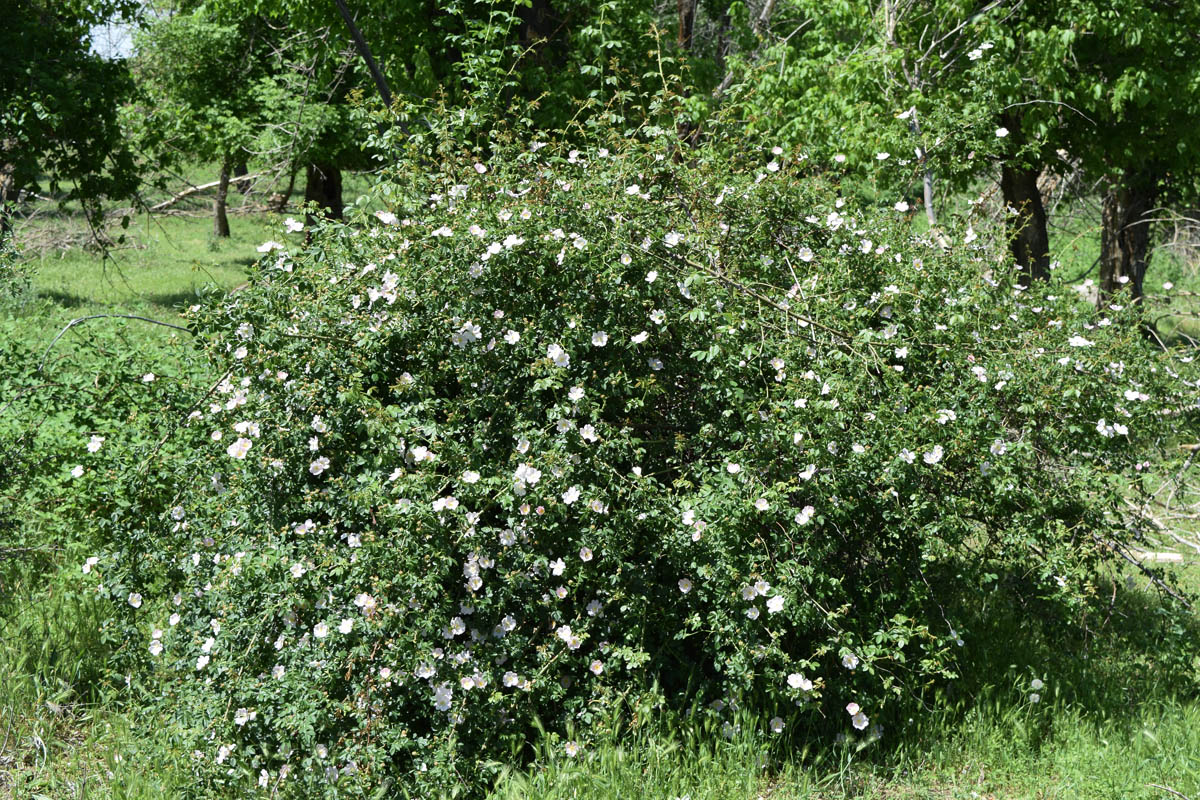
x: 1102, y: 721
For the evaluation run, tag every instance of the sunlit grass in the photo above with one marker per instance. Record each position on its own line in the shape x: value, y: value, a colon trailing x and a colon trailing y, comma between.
x: 61, y: 733
x: 174, y: 258
x: 1005, y: 747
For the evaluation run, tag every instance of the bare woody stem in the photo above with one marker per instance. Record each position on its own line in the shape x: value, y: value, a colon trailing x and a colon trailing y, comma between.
x: 364, y: 50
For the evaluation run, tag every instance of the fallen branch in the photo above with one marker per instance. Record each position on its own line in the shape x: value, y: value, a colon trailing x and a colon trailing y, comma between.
x: 1116, y: 548
x: 191, y: 190
x: 1157, y: 558
x: 12, y: 552
x: 1161, y: 526
x: 233, y: 211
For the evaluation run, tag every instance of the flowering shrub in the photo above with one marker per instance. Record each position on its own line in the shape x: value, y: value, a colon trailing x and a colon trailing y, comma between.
x: 565, y: 423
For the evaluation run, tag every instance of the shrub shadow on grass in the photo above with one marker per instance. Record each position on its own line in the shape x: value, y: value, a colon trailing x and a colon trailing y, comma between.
x: 1130, y: 644
x: 1114, y: 706
x: 1101, y: 704
x: 178, y: 300
x: 66, y: 300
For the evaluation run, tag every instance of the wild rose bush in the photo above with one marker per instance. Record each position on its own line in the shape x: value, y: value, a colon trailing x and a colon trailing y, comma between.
x: 567, y: 428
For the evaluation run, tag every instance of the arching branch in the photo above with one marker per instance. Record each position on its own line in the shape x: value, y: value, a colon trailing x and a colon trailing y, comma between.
x: 75, y: 322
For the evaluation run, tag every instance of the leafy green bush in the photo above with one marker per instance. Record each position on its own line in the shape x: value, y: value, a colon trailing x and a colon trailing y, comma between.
x: 570, y: 429
x: 75, y: 400
x: 14, y: 280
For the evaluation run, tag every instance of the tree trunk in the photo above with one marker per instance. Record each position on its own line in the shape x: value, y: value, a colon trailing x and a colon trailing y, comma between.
x: 279, y: 202
x: 1027, y: 237
x: 324, y: 187
x: 364, y: 50
x: 1125, y: 238
x: 759, y: 25
x: 220, y: 218
x: 8, y: 193
x: 914, y: 125
x: 7, y: 181
x: 723, y: 40
x: 687, y: 23
x: 5, y: 222
x: 240, y: 171
x: 538, y: 22
x: 688, y: 132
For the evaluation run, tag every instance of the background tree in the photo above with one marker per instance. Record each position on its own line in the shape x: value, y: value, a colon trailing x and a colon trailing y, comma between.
x: 911, y: 86
x: 309, y: 71
x: 557, y: 60
x: 59, y: 126
x: 199, y: 83
x: 977, y: 88
x: 1142, y: 88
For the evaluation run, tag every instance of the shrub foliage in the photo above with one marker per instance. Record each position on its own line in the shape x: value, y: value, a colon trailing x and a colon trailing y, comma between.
x: 565, y: 429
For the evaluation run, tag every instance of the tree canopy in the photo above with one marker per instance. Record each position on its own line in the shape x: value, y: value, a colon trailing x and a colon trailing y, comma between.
x: 948, y: 93
x: 59, y: 122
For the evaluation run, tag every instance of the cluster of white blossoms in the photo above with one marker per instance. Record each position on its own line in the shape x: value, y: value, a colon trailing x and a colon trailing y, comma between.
x: 468, y: 333
x: 977, y: 53
x: 857, y: 717
x: 760, y: 588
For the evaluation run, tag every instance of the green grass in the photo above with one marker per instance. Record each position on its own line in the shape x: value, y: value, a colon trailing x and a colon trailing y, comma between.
x: 1075, y: 245
x: 61, y: 736
x: 175, y: 257
x: 165, y: 258
x: 1116, y: 715
x: 1110, y: 724
x: 1006, y: 747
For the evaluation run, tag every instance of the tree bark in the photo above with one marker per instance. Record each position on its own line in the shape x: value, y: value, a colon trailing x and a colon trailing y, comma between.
x: 688, y: 132
x: 1028, y: 240
x: 279, y: 202
x: 723, y: 40
x: 687, y: 23
x: 5, y: 222
x: 220, y: 217
x: 8, y: 193
x: 759, y: 25
x: 323, y: 186
x: 364, y: 50
x: 241, y: 177
x: 914, y: 125
x: 1125, y: 237
x: 538, y: 22
x: 7, y: 182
